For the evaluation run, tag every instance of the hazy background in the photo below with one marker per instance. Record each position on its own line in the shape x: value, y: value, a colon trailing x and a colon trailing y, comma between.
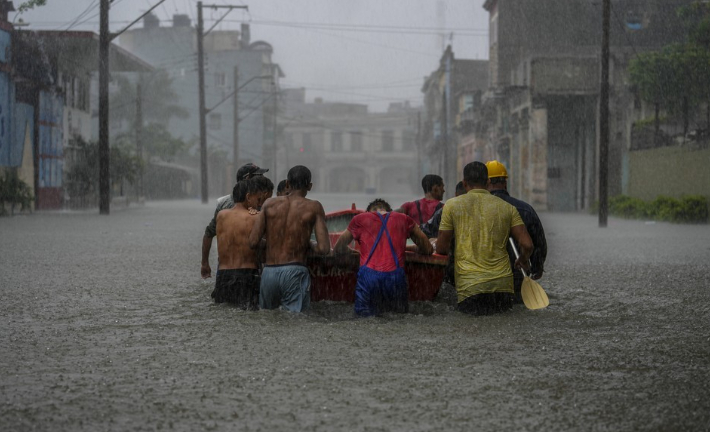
x: 365, y: 51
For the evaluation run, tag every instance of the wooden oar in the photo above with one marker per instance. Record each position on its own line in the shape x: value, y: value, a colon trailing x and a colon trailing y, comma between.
x: 534, y: 296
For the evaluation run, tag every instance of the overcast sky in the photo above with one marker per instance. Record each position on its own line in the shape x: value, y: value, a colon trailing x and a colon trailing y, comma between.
x: 364, y: 51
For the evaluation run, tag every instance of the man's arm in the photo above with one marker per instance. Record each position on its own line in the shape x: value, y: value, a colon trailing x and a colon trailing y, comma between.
x: 537, y: 259
x: 421, y: 240
x: 443, y: 241
x: 525, y: 246
x: 205, y: 270
x: 341, y: 246
x: 259, y: 228
x: 322, y: 246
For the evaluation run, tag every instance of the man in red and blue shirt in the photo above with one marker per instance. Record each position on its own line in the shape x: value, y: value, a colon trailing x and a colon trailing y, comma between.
x: 382, y: 237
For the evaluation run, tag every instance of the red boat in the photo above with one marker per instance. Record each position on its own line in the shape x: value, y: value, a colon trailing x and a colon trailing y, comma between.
x: 337, y: 283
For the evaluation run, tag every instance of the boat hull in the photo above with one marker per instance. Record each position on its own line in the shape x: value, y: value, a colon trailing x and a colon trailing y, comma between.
x: 334, y: 278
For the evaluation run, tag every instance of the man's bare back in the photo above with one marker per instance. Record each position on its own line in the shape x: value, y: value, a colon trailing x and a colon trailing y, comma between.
x: 233, y: 228
x: 287, y: 223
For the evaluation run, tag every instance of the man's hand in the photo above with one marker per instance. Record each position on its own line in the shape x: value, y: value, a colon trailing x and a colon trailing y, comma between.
x: 524, y: 264
x: 206, y: 271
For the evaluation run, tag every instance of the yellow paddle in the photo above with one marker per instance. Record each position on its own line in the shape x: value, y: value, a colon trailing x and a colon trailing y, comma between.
x: 534, y: 296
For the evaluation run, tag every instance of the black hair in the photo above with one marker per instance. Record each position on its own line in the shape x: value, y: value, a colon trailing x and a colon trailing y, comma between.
x: 475, y: 173
x: 280, y: 188
x: 259, y: 184
x: 239, y: 193
x: 299, y: 177
x: 460, y: 189
x: 379, y: 203
x: 431, y: 180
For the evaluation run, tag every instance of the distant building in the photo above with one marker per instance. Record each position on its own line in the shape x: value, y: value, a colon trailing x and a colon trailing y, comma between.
x: 228, y: 54
x: 451, y: 93
x: 45, y: 104
x: 540, y: 115
x: 347, y: 148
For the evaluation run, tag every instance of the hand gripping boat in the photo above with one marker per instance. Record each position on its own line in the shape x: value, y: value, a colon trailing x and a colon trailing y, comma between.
x: 337, y: 282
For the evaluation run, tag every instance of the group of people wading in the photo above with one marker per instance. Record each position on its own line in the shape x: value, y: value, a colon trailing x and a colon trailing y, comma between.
x: 473, y: 229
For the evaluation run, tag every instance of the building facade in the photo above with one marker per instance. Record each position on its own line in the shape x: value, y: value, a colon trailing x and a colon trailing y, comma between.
x: 540, y: 114
x: 232, y: 61
x: 349, y: 149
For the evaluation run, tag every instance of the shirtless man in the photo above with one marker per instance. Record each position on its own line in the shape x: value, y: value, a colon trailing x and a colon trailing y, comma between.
x: 287, y: 223
x: 238, y: 272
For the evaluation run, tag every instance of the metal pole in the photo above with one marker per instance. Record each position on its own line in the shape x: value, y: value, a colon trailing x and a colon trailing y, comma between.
x: 236, y: 122
x: 104, y: 154
x: 139, y: 135
x: 201, y: 85
x: 604, y: 120
x: 273, y: 125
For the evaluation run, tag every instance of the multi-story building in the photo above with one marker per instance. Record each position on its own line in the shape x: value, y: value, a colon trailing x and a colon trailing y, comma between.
x: 540, y: 116
x: 451, y: 93
x: 348, y: 148
x: 45, y: 103
x: 232, y: 62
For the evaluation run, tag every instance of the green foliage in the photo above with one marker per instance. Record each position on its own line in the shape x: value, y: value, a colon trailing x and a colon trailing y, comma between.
x: 677, y: 76
x: 628, y: 207
x: 157, y: 97
x: 15, y: 192
x: 30, y: 4
x: 82, y: 181
x: 688, y: 209
x: 157, y: 142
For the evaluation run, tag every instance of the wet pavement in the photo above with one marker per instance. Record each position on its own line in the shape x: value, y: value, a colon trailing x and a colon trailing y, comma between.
x: 106, y: 325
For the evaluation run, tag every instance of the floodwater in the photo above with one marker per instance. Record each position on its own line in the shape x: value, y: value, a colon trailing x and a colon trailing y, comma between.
x: 106, y: 325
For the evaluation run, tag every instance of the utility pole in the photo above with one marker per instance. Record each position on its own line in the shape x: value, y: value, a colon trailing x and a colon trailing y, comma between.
x: 419, y: 145
x: 201, y: 84
x: 604, y: 119
x: 273, y: 124
x: 201, y: 33
x: 139, y: 135
x: 104, y: 168
x: 105, y: 38
x: 236, y: 123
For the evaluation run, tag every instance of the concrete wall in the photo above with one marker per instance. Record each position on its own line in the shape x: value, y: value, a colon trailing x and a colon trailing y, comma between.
x: 670, y: 171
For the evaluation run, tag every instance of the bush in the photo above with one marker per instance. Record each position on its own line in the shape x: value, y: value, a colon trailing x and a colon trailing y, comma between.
x: 689, y: 209
x: 693, y: 209
x: 15, y: 192
x: 628, y: 207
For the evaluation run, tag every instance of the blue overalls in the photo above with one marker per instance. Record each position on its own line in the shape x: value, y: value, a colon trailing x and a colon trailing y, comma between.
x: 377, y: 292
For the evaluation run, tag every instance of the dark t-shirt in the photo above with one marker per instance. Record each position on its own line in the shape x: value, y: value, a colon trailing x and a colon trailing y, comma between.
x: 364, y: 228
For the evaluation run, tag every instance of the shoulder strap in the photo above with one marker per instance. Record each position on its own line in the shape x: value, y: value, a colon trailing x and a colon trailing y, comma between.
x: 438, y: 206
x: 419, y: 210
x: 377, y: 240
x: 384, y: 225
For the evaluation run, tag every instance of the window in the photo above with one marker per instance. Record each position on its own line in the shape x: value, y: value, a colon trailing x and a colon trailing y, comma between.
x: 220, y: 80
x: 467, y: 102
x: 336, y: 141
x: 355, y: 141
x: 215, y: 121
x: 407, y: 140
x: 387, y: 141
x: 306, y: 142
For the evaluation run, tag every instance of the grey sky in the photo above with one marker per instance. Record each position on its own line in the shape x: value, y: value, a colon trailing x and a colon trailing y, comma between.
x: 364, y: 51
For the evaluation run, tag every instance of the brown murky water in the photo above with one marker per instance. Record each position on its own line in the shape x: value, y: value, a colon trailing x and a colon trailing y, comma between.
x: 105, y: 325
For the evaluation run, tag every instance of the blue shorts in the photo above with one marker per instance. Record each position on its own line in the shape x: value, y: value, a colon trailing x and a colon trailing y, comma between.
x: 285, y: 285
x: 378, y: 292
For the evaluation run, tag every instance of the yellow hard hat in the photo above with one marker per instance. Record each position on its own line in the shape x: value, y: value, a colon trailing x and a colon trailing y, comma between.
x: 496, y: 169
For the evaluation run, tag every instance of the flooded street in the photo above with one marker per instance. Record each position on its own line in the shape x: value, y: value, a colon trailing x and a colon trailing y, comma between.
x: 106, y: 325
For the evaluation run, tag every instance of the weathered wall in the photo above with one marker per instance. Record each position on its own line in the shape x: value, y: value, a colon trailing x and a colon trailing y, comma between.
x: 671, y: 171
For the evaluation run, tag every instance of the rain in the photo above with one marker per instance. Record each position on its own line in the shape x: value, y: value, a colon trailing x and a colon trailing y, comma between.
x: 121, y: 129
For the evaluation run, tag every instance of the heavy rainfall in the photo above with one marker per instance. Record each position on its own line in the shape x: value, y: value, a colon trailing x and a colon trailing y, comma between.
x: 156, y: 275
